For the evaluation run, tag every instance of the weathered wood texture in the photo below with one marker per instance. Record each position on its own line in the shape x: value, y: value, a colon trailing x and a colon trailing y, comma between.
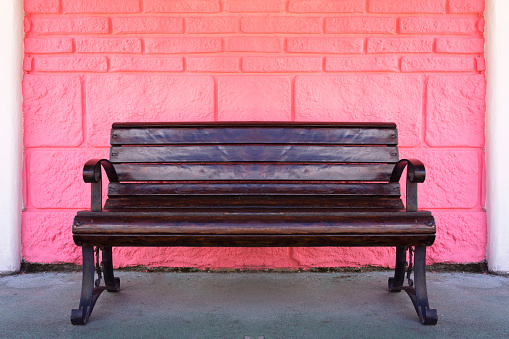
x: 253, y: 153
x: 253, y: 184
x: 254, y: 133
x: 247, y: 171
x: 249, y: 188
x: 276, y: 202
x: 241, y: 240
x: 255, y: 222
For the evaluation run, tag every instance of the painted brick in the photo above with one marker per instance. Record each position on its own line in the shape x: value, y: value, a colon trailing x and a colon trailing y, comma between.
x: 252, y: 258
x: 27, y: 25
x: 253, y: 44
x: 325, y: 45
x: 213, y: 64
x: 146, y: 64
x: 307, y: 257
x: 52, y: 103
x: 204, y: 258
x: 466, y: 6
x: 258, y: 98
x: 108, y: 45
x: 27, y: 63
x: 361, y: 64
x: 69, y: 190
x: 399, y: 45
x: 281, y: 24
x: 480, y: 25
x: 148, y: 25
x: 71, y: 64
x: 70, y: 25
x: 452, y: 177
x: 183, y: 45
x: 437, y: 64
x: 481, y: 64
x: 458, y: 45
x: 42, y: 6
x: 48, y: 45
x: 396, y: 98
x: 281, y: 64
x: 355, y: 24
x: 254, y: 6
x: 407, y: 6
x: 449, y: 141
x: 43, y: 230
x: 464, y: 230
x: 142, y: 97
x: 219, y: 24
x: 182, y: 6
x: 438, y: 25
x: 455, y: 110
x: 100, y: 6
x: 326, y: 6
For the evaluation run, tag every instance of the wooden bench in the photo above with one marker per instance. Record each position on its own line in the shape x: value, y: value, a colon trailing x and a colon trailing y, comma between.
x: 254, y: 184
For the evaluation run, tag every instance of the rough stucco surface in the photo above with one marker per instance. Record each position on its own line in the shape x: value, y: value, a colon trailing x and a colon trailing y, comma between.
x: 363, y: 97
x: 418, y: 63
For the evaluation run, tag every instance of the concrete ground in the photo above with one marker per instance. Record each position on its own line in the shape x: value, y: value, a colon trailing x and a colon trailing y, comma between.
x: 238, y: 305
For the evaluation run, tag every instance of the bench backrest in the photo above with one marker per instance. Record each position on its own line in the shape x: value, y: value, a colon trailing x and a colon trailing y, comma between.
x: 254, y: 158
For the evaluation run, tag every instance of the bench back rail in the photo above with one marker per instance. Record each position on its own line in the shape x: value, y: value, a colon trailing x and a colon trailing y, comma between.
x: 254, y: 159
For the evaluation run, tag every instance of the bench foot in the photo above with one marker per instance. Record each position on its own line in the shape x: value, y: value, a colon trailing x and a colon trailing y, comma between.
x: 90, y: 289
x: 417, y: 291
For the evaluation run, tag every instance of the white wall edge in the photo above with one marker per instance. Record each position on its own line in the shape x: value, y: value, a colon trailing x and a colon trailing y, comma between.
x: 497, y: 134
x: 11, y: 56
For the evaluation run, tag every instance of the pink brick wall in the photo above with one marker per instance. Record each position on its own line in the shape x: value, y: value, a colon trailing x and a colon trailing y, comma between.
x: 418, y: 63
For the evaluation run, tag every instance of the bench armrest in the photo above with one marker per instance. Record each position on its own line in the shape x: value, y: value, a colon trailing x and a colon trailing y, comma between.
x: 92, y: 175
x: 415, y: 174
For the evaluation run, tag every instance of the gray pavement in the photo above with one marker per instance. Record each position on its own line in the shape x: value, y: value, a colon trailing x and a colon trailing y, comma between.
x: 273, y: 305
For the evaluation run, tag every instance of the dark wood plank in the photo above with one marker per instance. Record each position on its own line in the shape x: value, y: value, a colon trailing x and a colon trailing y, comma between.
x: 253, y: 153
x: 255, y: 171
x: 346, y: 214
x: 254, y: 240
x: 263, y: 124
x: 258, y: 188
x: 254, y: 134
x: 277, y: 223
x: 235, y: 201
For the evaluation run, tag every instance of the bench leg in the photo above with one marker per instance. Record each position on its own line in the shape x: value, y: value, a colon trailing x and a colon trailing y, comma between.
x: 417, y: 291
x: 112, y: 283
x: 396, y: 283
x: 90, y: 289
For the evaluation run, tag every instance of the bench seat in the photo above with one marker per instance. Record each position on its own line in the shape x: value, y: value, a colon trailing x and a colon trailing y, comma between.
x: 253, y: 227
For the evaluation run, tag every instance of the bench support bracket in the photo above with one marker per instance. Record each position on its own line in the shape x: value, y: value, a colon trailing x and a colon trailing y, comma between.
x: 417, y: 291
x: 90, y: 289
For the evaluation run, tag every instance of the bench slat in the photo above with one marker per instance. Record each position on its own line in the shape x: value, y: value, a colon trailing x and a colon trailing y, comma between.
x: 263, y: 124
x: 240, y: 202
x: 264, y: 188
x: 234, y: 202
x: 238, y: 240
x: 252, y: 153
x: 276, y: 223
x: 220, y: 228
x: 340, y: 134
x: 255, y: 171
